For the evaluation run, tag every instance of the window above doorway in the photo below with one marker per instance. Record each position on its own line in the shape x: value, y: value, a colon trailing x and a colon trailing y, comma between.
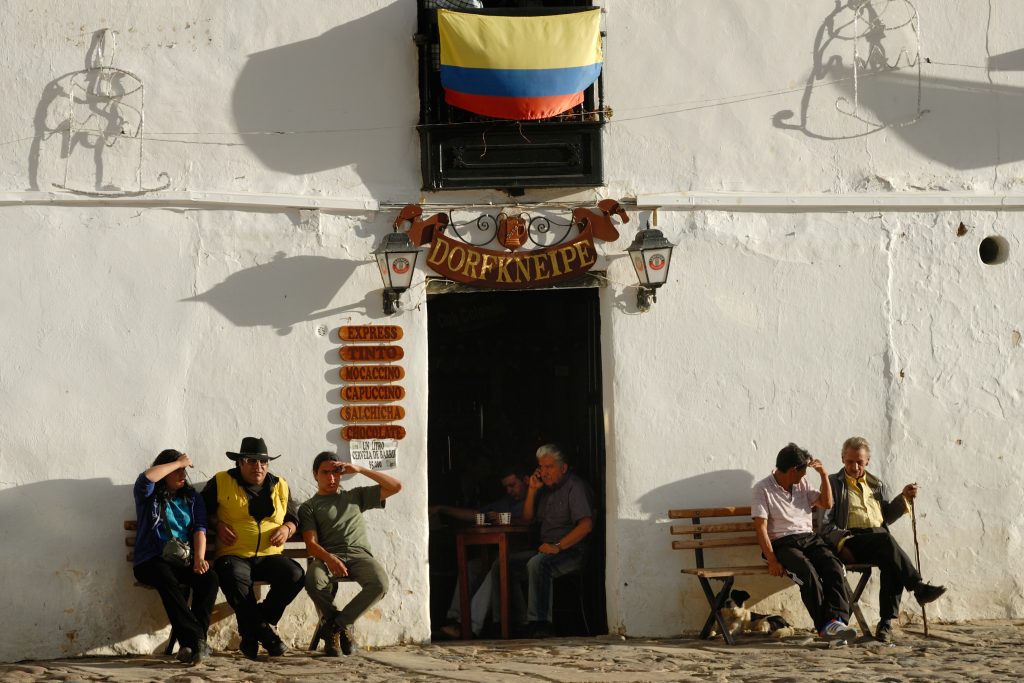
x: 465, y: 150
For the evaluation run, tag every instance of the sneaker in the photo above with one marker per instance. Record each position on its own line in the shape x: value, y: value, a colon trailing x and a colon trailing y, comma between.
x: 249, y: 647
x: 837, y: 630
x: 345, y: 640
x: 201, y: 652
x: 883, y: 632
x: 184, y: 655
x: 925, y: 592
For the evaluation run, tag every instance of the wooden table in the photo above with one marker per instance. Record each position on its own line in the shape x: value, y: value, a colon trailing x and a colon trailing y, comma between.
x: 489, y: 534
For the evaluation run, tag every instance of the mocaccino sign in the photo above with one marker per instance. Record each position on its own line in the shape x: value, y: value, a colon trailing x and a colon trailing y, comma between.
x: 465, y: 261
x: 371, y: 373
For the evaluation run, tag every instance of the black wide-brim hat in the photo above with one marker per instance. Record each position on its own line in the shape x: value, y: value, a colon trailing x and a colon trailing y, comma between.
x: 252, y: 447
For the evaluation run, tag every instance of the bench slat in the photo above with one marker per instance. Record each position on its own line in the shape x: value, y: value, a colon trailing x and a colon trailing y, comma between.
x: 721, y: 572
x: 709, y: 512
x: 690, y: 529
x: 714, y: 543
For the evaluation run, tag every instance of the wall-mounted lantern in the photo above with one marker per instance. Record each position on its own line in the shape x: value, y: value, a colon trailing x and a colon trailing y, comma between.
x: 651, y: 255
x: 396, y: 258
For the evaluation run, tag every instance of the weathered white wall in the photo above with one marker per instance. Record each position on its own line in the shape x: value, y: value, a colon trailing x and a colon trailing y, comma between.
x: 132, y: 329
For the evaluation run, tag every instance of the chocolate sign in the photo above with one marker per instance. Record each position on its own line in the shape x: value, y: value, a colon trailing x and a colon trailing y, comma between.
x: 372, y: 432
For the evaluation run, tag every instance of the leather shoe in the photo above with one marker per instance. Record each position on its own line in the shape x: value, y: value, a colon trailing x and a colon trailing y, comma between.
x: 271, y: 641
x: 184, y: 654
x: 249, y: 647
x: 925, y: 592
x: 883, y: 632
x: 540, y: 629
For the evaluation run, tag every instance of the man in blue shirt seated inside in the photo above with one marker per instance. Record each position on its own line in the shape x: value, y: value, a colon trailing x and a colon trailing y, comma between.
x: 514, y: 484
x: 561, y: 504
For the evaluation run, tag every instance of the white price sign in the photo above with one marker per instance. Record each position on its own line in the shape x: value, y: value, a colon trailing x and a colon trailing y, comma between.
x: 374, y: 454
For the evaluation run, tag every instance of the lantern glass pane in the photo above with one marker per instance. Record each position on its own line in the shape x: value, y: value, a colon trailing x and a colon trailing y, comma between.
x: 401, y: 266
x: 382, y: 265
x: 637, y: 258
x: 656, y: 262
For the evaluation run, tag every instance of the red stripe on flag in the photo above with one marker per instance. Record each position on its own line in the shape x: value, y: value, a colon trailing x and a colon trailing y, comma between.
x: 518, y: 108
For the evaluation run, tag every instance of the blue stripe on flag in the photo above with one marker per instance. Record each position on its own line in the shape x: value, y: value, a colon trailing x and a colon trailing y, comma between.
x: 519, y: 82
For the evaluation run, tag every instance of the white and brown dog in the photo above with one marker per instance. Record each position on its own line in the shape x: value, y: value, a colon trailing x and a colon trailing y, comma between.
x: 738, y: 619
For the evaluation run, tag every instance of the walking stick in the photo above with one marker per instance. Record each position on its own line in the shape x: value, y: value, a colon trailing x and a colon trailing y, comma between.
x: 917, y: 550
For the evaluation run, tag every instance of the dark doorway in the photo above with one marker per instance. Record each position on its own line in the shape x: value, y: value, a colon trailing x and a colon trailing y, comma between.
x: 509, y: 372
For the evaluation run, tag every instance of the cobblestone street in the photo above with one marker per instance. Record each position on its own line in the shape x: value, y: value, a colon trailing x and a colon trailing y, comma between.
x: 987, y: 651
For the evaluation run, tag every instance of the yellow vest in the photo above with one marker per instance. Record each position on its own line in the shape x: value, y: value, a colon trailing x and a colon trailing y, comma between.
x: 233, y: 509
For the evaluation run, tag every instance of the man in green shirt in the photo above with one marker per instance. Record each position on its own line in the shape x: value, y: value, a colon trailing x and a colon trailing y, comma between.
x: 333, y: 528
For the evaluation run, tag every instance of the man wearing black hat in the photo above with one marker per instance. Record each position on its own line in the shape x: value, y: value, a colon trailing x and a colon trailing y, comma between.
x: 255, y: 516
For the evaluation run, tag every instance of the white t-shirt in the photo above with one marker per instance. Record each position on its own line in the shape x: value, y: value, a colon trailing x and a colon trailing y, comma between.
x: 787, y: 512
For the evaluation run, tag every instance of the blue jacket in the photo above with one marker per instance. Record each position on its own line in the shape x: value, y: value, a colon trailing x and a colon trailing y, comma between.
x: 147, y: 515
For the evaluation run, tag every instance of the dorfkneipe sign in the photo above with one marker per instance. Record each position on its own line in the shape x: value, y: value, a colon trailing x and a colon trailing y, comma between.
x: 470, y: 265
x: 374, y: 454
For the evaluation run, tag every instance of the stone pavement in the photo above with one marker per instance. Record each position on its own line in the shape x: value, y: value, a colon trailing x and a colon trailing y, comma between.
x: 982, y: 651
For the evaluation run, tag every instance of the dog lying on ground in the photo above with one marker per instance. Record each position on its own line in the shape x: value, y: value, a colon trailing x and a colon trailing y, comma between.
x: 738, y: 619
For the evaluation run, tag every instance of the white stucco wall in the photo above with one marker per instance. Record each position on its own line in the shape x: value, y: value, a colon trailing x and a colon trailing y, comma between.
x: 129, y: 329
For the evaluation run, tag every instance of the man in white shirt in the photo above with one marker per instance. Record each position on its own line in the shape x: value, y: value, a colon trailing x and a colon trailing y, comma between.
x: 781, y: 508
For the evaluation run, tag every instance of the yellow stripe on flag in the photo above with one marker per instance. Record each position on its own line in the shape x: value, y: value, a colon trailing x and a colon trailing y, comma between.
x: 543, y: 42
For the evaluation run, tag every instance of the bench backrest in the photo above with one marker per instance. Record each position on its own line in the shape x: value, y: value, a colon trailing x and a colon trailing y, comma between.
x: 295, y: 548
x: 700, y: 534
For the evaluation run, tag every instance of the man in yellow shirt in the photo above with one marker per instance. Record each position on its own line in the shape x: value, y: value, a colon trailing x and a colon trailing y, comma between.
x: 857, y: 527
x: 255, y: 517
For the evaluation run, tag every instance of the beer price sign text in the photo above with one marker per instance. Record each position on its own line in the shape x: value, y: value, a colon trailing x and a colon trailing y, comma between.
x: 373, y: 454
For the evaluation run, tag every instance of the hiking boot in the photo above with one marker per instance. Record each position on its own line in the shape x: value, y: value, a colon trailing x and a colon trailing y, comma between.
x: 249, y: 647
x: 345, y: 640
x: 324, y: 627
x: 883, y: 632
x: 332, y: 644
x: 184, y: 654
x: 837, y: 630
x: 925, y: 592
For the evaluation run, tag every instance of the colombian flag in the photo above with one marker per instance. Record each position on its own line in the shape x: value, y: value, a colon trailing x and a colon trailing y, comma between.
x: 519, y: 67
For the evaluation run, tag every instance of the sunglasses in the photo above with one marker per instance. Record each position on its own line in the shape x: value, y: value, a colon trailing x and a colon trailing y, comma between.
x: 254, y: 461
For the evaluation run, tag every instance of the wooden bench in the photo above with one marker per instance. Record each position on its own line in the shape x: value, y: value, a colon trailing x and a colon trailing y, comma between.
x: 295, y: 548
x: 738, y: 531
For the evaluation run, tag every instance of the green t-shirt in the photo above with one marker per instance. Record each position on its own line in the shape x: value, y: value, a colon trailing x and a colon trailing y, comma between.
x: 338, y: 521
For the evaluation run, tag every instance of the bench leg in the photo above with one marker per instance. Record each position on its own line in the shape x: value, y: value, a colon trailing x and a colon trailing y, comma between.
x: 855, y: 600
x: 716, y: 602
x: 169, y: 650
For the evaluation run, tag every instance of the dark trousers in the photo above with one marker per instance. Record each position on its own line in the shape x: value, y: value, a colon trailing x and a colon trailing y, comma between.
x: 823, y: 591
x: 237, y: 576
x: 896, y: 571
x: 190, y: 624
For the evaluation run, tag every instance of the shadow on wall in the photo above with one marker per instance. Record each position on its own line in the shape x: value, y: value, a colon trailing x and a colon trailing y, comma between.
x: 68, y: 587
x: 328, y: 102
x: 286, y: 291
x: 682, y: 597
x: 947, y: 120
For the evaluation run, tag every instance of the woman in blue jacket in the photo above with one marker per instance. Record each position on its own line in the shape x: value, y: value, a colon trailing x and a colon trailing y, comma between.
x: 166, y: 507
